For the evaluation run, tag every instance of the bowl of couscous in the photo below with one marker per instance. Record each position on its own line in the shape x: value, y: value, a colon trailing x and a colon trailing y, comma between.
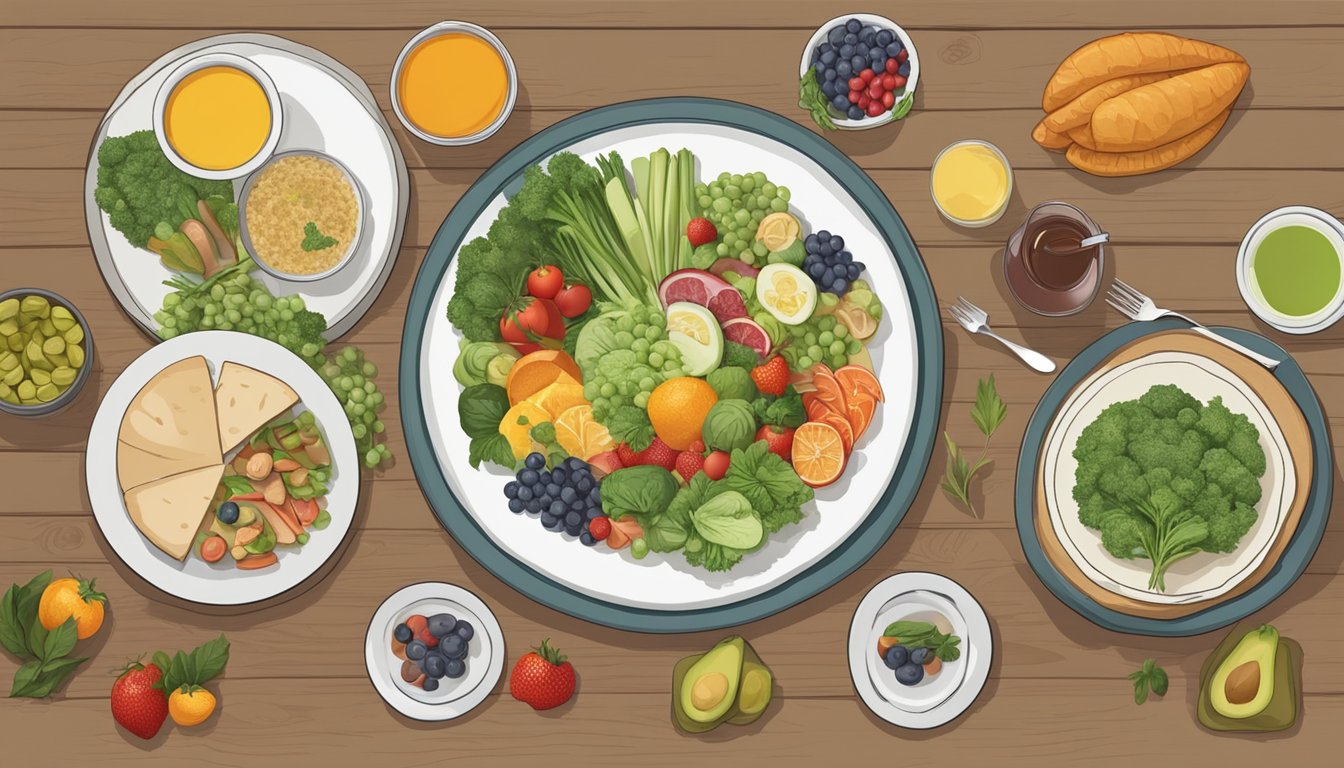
x: 301, y: 215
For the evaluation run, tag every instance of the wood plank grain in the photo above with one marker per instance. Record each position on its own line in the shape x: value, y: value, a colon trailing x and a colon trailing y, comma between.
x: 60, y: 139
x: 960, y: 69
x: 1038, y: 636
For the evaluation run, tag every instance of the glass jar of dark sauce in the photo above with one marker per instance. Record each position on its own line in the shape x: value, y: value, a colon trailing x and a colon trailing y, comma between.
x: 1045, y: 269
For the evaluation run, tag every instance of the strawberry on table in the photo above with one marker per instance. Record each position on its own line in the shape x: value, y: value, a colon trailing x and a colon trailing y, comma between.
x: 772, y: 378
x: 542, y: 678
x: 137, y: 705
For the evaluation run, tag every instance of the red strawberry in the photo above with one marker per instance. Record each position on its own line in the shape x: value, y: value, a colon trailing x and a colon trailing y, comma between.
x: 772, y: 378
x: 688, y: 463
x: 542, y: 678
x: 700, y: 231
x: 628, y: 456
x: 778, y: 440
x: 697, y: 445
x: 659, y: 453
x: 137, y: 705
x: 599, y: 527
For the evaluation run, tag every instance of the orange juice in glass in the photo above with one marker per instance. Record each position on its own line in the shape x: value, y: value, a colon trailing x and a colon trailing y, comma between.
x: 453, y: 84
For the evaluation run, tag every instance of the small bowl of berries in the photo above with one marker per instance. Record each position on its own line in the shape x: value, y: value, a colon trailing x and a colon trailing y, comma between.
x: 858, y: 71
x: 434, y: 651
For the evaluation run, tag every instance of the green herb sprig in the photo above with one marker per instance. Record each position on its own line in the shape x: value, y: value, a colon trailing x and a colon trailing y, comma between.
x: 987, y: 413
x: 1149, y: 677
x: 922, y: 634
x: 814, y: 101
x: 314, y: 240
x: 22, y: 634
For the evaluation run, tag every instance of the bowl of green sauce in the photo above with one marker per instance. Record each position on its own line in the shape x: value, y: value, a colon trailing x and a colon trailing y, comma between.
x: 1290, y: 269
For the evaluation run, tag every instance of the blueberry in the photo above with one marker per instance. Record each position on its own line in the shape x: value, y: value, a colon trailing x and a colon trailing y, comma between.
x: 828, y: 58
x: 557, y: 508
x: 583, y: 486
x: 843, y: 70
x: 533, y: 506
x: 416, y: 650
x: 587, y: 539
x: 851, y: 38
x: 559, y: 476
x: 434, y: 665
x: 829, y: 74
x: 464, y: 629
x: 824, y: 47
x: 595, y: 495
x: 909, y: 674
x: 846, y: 51
x: 544, y: 477
x: 828, y: 89
x: 817, y: 269
x: 825, y: 250
x: 578, y: 505
x: 453, y: 646
x: 810, y: 243
x: 819, y: 68
x: 893, y: 49
x: 859, y: 63
x: 853, y: 25
x: 528, y: 477
x: 454, y: 668
x: 589, y: 514
x: 430, y: 685
x: 534, y: 460
x: 904, y: 71
x: 839, y: 285
x: 575, y: 464
x: 836, y: 35
x: 441, y: 624
x: 885, y: 37
x: 920, y: 656
x: 837, y: 243
x: 573, y: 519
x: 855, y: 113
x: 547, y: 519
x: 860, y: 265
x: 568, y: 495
x: 525, y: 493
x: 868, y: 36
x: 511, y: 489
x: 852, y: 272
x: 839, y: 270
x: 897, y: 656
x: 544, y: 500
x: 402, y: 633
x: 517, y: 505
x: 877, y: 53
x: 844, y: 257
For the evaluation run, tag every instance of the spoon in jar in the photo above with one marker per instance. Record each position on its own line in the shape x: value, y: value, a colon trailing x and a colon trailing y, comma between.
x: 1082, y: 245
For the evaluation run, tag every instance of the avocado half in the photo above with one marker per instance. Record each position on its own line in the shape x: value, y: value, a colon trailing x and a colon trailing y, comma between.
x: 752, y: 690
x: 1285, y: 686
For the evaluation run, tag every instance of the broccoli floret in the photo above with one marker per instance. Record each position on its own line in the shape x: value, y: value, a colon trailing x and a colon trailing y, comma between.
x: 139, y: 188
x: 488, y: 279
x: 1164, y: 477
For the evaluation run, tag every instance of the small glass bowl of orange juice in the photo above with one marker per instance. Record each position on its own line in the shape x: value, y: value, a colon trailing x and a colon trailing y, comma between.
x: 454, y: 84
x: 218, y: 116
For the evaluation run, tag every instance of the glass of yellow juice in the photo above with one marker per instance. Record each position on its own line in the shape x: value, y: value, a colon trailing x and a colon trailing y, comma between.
x: 971, y: 183
x: 453, y: 84
x: 218, y: 116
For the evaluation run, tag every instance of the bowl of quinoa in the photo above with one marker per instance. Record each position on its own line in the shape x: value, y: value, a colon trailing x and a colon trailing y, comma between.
x: 301, y: 215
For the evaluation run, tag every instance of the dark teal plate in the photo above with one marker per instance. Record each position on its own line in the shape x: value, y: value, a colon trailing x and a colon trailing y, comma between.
x: 845, y: 558
x: 1300, y: 548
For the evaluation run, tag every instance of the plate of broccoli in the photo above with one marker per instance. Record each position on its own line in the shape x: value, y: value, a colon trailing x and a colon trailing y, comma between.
x: 1168, y: 479
x: 1167, y: 486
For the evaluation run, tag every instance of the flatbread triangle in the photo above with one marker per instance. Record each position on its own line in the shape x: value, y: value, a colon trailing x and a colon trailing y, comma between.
x: 170, y: 510
x: 173, y: 415
x: 136, y: 466
x: 246, y: 399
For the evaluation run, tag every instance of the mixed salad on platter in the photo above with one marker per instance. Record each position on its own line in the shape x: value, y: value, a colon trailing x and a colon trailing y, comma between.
x: 665, y: 363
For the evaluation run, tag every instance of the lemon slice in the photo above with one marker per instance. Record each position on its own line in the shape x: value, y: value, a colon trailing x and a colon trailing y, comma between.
x: 778, y: 231
x: 787, y: 293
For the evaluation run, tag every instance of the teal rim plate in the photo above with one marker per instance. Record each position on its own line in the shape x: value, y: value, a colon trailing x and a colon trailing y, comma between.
x: 845, y: 557
x: 1300, y: 549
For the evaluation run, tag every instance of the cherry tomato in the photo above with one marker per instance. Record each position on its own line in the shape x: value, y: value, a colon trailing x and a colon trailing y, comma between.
x: 892, y: 66
x: 888, y: 82
x: 900, y: 82
x: 888, y: 99
x: 537, y: 317
x: 867, y: 75
x: 574, y: 300
x: 213, y: 549
x: 874, y: 108
x: 545, y: 281
x: 716, y: 465
x: 854, y: 96
x: 903, y: 55
x: 863, y: 101
x: 856, y: 83
x: 875, y: 89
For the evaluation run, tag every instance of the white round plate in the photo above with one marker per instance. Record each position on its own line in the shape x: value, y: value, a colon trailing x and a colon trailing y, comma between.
x: 1203, y: 576
x: 454, y: 698
x: 867, y: 19
x: 196, y: 580
x: 1300, y: 215
x: 665, y: 582
x: 326, y: 107
x: 885, y: 603
x: 928, y: 693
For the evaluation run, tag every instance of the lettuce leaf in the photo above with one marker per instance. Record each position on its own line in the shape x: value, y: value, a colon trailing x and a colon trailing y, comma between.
x: 769, y: 483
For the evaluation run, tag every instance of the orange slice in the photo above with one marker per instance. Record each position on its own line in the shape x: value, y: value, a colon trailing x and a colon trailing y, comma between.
x: 537, y: 370
x: 855, y: 379
x: 828, y: 387
x: 580, y: 434
x: 821, y: 412
x: 860, y: 413
x: 818, y: 454
x: 519, y: 435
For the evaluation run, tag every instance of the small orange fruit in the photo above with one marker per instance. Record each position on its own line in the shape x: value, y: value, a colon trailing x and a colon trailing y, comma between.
x: 677, y: 410
x: 818, y: 454
x: 64, y: 598
x: 580, y: 434
x: 192, y: 706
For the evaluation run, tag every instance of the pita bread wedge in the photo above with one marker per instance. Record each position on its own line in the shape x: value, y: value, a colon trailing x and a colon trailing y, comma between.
x: 169, y: 511
x: 246, y: 399
x: 173, y: 415
x: 136, y: 466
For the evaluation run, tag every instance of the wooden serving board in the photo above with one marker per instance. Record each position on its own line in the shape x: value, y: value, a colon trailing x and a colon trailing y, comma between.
x: 1295, y: 434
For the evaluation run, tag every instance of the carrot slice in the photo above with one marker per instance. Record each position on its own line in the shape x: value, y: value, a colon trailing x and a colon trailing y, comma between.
x: 287, y: 515
x: 284, y: 534
x: 305, y: 510
x: 253, y: 562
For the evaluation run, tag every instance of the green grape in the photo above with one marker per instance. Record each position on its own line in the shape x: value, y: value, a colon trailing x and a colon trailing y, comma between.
x: 837, y: 347
x: 804, y: 362
x: 642, y: 399
x: 854, y: 346
x: 655, y: 360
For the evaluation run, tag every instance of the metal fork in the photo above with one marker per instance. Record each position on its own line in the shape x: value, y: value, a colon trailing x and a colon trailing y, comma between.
x: 976, y: 320
x: 1136, y: 305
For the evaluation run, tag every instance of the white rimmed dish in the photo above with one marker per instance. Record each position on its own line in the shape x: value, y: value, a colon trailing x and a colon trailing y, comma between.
x: 219, y: 59
x: 444, y: 28
x: 351, y: 248
x: 919, y: 605
x: 1293, y: 215
x: 881, y: 22
x: 977, y: 647
x: 194, y: 579
x: 454, y: 698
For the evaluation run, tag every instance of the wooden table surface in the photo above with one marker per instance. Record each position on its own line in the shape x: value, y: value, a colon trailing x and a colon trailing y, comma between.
x: 295, y: 690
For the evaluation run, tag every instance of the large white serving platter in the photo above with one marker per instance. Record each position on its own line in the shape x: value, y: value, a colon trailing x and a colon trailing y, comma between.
x: 1203, y: 576
x: 327, y: 107
x: 665, y: 582
x: 221, y: 583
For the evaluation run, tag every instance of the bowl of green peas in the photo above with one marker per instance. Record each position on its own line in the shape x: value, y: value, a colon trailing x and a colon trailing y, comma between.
x: 46, y: 352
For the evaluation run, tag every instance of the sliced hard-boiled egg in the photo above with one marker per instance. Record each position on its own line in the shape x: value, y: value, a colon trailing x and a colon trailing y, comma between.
x: 696, y: 333
x: 787, y: 293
